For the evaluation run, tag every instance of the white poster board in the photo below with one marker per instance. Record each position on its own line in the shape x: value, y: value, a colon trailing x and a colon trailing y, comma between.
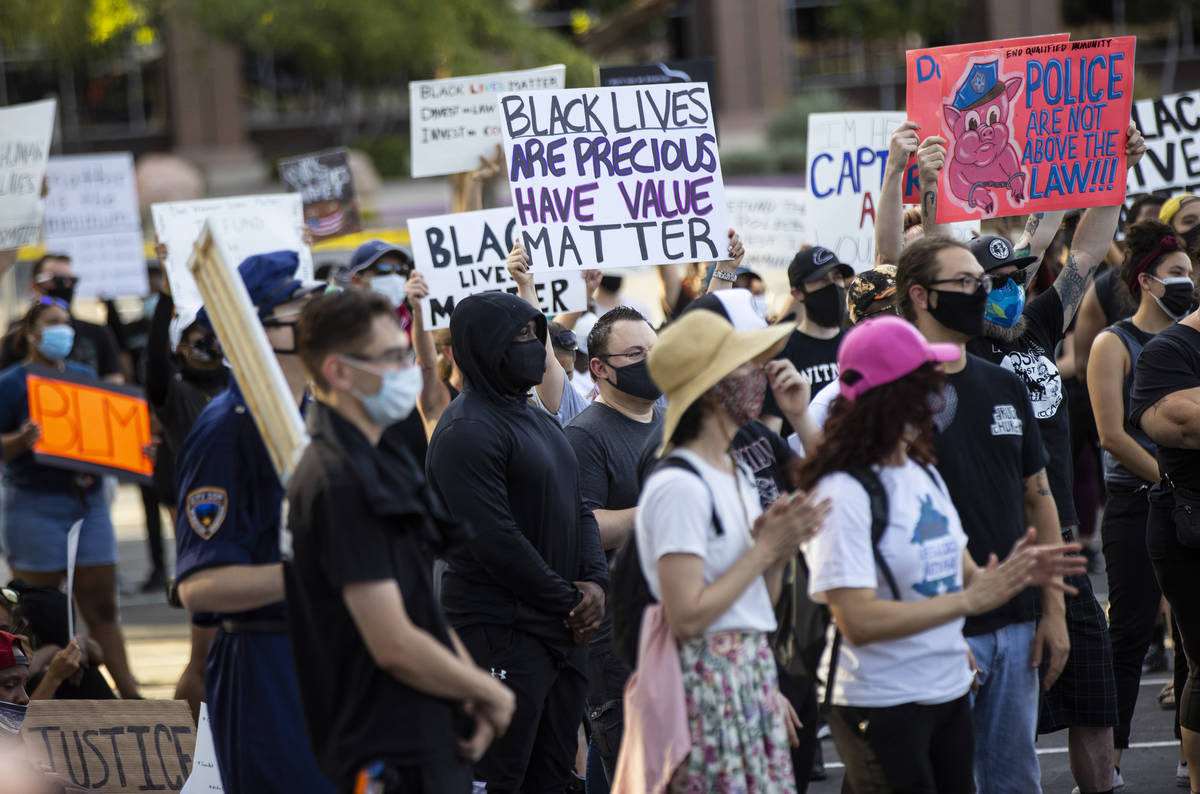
x: 1171, y: 127
x: 244, y: 226
x: 463, y: 253
x: 847, y: 154
x: 25, y: 134
x: 205, y: 777
x: 772, y: 222
x: 92, y: 216
x: 455, y: 121
x: 615, y: 177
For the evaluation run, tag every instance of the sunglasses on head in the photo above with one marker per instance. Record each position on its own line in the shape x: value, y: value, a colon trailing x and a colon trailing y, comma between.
x: 46, y: 300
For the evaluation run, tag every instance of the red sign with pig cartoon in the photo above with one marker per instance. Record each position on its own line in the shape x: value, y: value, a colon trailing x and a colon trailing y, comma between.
x: 983, y: 158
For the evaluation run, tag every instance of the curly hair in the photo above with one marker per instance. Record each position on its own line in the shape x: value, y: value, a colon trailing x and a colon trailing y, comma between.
x: 1140, y: 239
x: 863, y: 432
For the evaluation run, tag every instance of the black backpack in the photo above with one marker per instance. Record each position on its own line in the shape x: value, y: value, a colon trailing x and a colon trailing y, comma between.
x: 628, y: 591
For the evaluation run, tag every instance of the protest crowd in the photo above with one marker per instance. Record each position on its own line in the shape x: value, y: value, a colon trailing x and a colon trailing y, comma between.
x: 461, y: 516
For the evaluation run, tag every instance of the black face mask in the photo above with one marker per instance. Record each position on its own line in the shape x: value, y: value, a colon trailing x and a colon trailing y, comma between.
x: 64, y: 294
x: 635, y: 380
x: 1177, y: 298
x: 826, y: 306
x: 961, y: 311
x: 204, y: 378
x: 523, y: 365
x: 1191, y: 237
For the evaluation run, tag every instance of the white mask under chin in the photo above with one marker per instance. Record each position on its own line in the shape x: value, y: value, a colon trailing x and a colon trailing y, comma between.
x: 391, y: 287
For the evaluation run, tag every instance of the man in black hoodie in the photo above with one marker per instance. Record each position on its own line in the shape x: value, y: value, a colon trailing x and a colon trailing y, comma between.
x: 529, y: 590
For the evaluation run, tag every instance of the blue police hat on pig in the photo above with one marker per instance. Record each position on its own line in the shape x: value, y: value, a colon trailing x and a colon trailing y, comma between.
x: 982, y: 85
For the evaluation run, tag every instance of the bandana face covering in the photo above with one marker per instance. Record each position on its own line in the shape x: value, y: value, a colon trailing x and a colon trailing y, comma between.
x: 741, y: 396
x: 1005, y: 305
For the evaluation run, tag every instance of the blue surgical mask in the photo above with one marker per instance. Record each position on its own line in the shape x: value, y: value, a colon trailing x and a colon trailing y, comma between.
x: 1005, y: 304
x: 396, y: 398
x: 391, y: 287
x: 57, y: 341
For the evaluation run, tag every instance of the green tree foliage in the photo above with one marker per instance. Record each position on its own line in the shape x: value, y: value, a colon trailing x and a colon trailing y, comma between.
x: 932, y: 19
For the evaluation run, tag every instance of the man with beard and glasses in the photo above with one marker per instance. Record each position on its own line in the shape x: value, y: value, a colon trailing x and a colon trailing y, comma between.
x: 529, y: 589
x: 95, y: 346
x: 989, y: 452
x: 1022, y: 339
x: 818, y: 283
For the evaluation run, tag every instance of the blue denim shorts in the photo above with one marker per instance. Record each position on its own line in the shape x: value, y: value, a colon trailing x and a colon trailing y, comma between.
x: 36, y: 525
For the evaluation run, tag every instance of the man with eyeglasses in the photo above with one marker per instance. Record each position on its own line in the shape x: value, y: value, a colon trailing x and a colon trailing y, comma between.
x: 360, y: 598
x: 989, y: 452
x: 228, y: 562
x: 95, y: 346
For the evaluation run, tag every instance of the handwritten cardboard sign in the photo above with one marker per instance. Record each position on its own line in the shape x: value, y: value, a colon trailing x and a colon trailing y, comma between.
x: 1033, y: 128
x: 772, y: 222
x: 25, y: 134
x: 455, y: 121
x: 1171, y: 126
x: 463, y: 253
x: 92, y: 216
x: 113, y: 746
x: 326, y: 186
x: 247, y: 225
x: 923, y: 87
x: 615, y: 177
x: 89, y: 425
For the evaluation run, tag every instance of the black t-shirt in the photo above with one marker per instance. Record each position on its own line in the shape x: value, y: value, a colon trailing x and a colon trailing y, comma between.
x: 1032, y: 358
x: 815, y: 359
x: 1170, y: 362
x: 987, y: 445
x: 609, y: 446
x: 359, y: 514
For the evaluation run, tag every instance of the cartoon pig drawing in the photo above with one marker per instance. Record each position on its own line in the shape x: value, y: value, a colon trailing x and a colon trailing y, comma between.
x: 982, y: 154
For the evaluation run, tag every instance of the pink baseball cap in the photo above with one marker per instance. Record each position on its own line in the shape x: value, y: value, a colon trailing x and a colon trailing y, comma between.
x: 883, y: 349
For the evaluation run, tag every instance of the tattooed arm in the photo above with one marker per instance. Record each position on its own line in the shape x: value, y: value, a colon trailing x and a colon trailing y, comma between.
x: 931, y: 158
x: 1174, y: 421
x: 1040, y: 229
x: 1092, y: 239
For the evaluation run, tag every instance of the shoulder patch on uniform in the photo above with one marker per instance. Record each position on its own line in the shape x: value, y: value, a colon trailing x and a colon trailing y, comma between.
x: 206, y: 510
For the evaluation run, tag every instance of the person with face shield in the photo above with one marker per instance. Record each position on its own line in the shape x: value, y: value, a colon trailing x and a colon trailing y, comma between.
x: 529, y: 589
x: 1157, y: 273
x: 360, y: 599
x: 228, y: 566
x: 42, y: 502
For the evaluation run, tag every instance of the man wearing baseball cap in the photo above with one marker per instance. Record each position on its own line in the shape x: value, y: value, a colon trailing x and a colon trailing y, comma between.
x: 14, y: 671
x: 818, y: 282
x: 228, y: 563
x: 1022, y: 338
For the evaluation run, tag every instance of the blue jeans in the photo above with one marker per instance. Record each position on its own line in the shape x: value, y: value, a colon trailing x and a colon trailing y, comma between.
x: 1005, y: 711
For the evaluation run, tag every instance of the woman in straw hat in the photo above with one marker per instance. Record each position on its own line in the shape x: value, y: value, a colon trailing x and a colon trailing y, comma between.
x: 714, y: 559
x: 900, y: 677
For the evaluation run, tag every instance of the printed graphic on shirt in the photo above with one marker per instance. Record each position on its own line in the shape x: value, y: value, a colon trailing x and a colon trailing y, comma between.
x: 821, y: 373
x: 1041, y: 379
x: 1006, y: 421
x: 758, y: 457
x: 939, y: 551
x: 206, y: 509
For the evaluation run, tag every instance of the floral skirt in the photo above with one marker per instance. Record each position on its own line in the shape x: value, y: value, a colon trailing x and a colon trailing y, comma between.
x: 738, y: 733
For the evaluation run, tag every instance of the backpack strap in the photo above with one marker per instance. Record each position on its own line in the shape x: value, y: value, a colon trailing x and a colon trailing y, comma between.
x: 877, y: 495
x: 677, y: 462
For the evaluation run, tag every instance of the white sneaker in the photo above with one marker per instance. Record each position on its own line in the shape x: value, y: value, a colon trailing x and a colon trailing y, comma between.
x: 1118, y: 783
x: 824, y: 733
x: 1181, y: 777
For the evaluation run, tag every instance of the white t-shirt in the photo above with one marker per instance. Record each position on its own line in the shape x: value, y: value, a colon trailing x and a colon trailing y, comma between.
x: 923, y: 545
x: 674, y: 516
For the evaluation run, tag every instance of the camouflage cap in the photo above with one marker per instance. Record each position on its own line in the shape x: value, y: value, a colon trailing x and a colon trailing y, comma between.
x: 867, y: 287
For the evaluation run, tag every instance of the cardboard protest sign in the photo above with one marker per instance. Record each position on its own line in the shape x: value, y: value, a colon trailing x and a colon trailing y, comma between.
x: 1035, y: 128
x: 615, y: 177
x: 772, y: 222
x: 1171, y: 127
x: 249, y: 225
x: 25, y: 135
x: 112, y: 746
x: 326, y: 186
x: 92, y: 216
x: 923, y: 89
x: 455, y: 121
x: 463, y: 253
x: 89, y: 425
